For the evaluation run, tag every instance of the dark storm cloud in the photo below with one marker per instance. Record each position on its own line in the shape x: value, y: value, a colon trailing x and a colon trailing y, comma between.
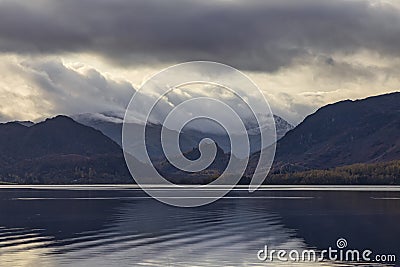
x: 252, y: 35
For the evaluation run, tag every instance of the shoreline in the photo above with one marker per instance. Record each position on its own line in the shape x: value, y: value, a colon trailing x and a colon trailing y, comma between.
x: 376, y: 188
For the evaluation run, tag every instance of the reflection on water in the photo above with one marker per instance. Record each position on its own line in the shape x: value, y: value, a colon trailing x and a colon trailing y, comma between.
x: 121, y: 227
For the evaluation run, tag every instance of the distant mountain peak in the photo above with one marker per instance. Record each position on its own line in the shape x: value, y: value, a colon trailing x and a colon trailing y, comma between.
x: 113, y: 117
x: 281, y: 125
x: 24, y: 123
x: 189, y: 137
x: 59, y: 118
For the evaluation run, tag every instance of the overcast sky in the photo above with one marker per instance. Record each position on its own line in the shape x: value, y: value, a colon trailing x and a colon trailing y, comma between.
x: 77, y: 56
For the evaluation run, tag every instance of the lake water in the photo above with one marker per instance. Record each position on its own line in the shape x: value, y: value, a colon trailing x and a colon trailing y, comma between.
x: 121, y: 226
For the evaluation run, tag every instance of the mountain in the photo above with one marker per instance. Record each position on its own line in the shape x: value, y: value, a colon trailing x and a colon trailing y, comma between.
x: 59, y: 150
x: 346, y: 142
x: 281, y: 126
x: 25, y: 123
x: 213, y: 171
x: 344, y: 133
x: 108, y: 123
x: 111, y: 125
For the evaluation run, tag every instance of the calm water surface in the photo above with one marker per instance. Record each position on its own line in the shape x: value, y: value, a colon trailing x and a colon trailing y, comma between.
x: 121, y: 226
